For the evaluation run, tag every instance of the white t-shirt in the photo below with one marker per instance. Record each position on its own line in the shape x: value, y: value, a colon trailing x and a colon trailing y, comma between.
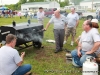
x: 9, y: 58
x: 40, y: 15
x: 58, y: 23
x: 89, y: 38
x: 72, y: 19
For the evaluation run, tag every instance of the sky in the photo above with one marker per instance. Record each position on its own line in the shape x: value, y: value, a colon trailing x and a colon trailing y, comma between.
x: 3, y: 2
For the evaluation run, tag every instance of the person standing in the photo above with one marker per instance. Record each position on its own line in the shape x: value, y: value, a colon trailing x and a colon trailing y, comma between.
x: 59, y: 22
x: 19, y: 14
x: 3, y: 12
x: 26, y: 13
x: 10, y: 13
x: 10, y: 60
x: 88, y: 45
x: 98, y: 14
x: 40, y: 15
x: 73, y: 21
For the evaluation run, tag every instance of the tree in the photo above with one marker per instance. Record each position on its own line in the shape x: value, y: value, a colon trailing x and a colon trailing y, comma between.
x: 64, y: 3
x: 31, y: 0
x: 36, y: 0
x: 76, y: 1
x: 17, y: 6
x: 22, y: 1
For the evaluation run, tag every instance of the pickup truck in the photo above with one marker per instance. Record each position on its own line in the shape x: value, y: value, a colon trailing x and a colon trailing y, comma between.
x: 89, y: 15
x: 49, y: 12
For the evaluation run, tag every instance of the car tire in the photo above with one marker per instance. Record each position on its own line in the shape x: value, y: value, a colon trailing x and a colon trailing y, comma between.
x: 89, y: 17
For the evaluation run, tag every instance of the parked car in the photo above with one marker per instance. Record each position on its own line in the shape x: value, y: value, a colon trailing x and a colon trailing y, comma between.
x: 89, y: 15
x: 63, y: 12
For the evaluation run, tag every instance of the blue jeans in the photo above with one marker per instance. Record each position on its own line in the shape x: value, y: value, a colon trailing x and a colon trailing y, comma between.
x: 80, y: 60
x: 22, y: 69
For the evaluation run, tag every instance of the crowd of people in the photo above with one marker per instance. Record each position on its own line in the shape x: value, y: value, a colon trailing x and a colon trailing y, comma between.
x: 88, y: 42
x: 7, y: 13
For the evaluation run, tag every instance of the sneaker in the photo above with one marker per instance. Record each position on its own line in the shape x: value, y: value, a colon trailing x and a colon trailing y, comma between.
x: 64, y: 42
x: 68, y: 55
x: 72, y: 43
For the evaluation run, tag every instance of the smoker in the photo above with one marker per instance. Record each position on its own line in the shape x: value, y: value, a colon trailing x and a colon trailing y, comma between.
x: 25, y: 33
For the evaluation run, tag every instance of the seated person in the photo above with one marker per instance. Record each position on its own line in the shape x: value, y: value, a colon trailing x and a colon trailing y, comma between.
x: 10, y: 61
x: 87, y: 46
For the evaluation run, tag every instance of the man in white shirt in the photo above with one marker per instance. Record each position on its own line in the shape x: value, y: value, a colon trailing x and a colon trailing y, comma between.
x: 73, y: 21
x: 88, y: 45
x: 59, y: 22
x: 40, y: 15
x: 10, y: 60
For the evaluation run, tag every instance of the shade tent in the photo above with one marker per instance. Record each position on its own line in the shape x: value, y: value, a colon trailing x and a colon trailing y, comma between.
x: 4, y: 8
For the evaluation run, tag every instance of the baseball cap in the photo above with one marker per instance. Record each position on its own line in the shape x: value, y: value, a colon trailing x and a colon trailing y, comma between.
x: 94, y: 20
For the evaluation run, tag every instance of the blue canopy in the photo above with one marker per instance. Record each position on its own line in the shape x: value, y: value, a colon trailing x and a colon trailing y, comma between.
x: 4, y: 8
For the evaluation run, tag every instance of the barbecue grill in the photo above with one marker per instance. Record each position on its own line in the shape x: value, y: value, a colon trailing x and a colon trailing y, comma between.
x: 25, y: 32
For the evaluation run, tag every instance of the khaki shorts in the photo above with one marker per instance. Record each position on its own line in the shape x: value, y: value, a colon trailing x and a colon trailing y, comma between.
x: 71, y: 31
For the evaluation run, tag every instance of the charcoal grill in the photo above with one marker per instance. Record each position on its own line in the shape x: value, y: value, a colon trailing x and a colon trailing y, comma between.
x: 25, y: 33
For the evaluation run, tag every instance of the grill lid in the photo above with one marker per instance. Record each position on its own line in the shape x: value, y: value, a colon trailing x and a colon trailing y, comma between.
x: 24, y: 25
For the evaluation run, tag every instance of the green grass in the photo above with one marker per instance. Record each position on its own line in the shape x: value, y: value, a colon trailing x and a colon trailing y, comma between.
x: 44, y: 61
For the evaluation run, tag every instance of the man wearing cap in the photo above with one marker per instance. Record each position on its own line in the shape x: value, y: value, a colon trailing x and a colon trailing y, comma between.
x: 95, y: 26
x: 40, y: 15
x: 88, y: 45
x: 95, y: 23
x: 59, y: 22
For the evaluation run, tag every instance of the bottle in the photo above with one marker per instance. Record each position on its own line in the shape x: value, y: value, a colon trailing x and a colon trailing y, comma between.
x: 14, y: 23
x: 29, y: 21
